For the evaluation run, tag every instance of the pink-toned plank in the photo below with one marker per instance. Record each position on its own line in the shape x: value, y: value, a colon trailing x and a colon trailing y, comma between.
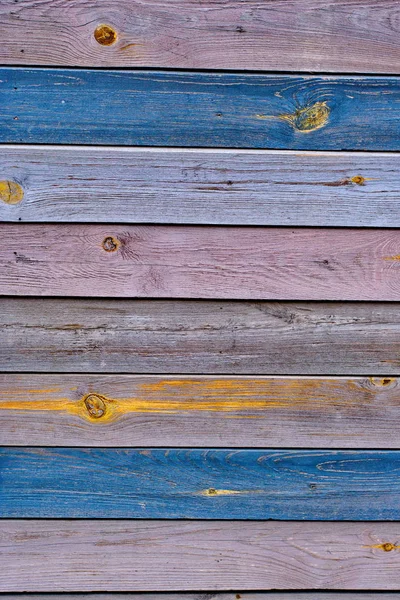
x: 58, y: 556
x: 199, y: 262
x: 294, y: 35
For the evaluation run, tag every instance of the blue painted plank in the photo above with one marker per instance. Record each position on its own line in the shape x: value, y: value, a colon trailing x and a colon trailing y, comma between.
x: 199, y: 484
x: 69, y: 106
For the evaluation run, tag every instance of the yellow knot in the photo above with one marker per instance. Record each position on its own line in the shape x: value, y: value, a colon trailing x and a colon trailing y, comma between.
x: 105, y: 35
x: 309, y: 118
x: 11, y: 192
x: 95, y: 405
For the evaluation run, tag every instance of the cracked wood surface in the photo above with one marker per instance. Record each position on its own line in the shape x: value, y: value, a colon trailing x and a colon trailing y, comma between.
x: 49, y: 556
x: 199, y: 262
x: 296, y: 35
x: 182, y: 411
x: 209, y: 187
x: 150, y: 108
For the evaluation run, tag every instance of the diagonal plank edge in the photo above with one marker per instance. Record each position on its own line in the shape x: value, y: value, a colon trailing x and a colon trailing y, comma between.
x: 197, y: 337
x: 49, y: 556
x: 300, y: 35
x: 182, y: 411
x: 209, y: 187
x: 199, y: 262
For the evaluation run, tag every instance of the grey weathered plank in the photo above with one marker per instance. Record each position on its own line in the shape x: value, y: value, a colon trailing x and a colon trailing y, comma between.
x: 162, y: 261
x: 155, y: 556
x: 132, y: 336
x: 232, y: 187
x: 182, y: 411
x: 295, y: 35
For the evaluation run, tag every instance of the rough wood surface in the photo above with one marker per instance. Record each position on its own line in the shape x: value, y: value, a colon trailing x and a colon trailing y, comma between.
x: 199, y: 262
x: 67, y: 106
x: 309, y: 485
x: 260, y: 338
x: 106, y: 410
x: 214, y: 187
x: 296, y: 35
x: 168, y: 555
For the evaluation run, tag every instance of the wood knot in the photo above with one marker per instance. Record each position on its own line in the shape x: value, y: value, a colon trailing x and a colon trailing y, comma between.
x: 382, y: 382
x: 11, y: 192
x: 105, y: 35
x: 388, y: 547
x: 358, y: 180
x: 110, y: 244
x: 95, y: 405
x: 309, y: 118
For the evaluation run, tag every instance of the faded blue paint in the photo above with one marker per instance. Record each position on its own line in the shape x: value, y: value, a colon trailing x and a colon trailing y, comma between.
x: 74, y: 106
x: 199, y: 484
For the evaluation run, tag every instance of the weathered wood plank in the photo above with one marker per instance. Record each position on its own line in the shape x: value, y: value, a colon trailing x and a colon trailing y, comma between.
x: 53, y: 106
x: 260, y: 338
x: 167, y: 555
x: 199, y: 262
x: 296, y: 35
x: 209, y: 187
x: 105, y: 410
x: 309, y: 485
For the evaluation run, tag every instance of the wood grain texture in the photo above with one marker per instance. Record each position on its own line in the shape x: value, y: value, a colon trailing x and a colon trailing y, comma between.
x: 106, y: 410
x: 98, y: 483
x: 199, y: 262
x: 260, y: 338
x: 209, y: 187
x: 152, y: 556
x: 296, y: 35
x: 66, y: 106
